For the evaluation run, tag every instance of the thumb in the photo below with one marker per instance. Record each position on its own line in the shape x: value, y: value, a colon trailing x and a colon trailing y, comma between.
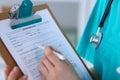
x: 7, y: 71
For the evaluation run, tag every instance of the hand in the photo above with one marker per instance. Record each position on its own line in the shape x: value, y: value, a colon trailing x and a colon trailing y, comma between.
x: 52, y: 68
x: 13, y: 74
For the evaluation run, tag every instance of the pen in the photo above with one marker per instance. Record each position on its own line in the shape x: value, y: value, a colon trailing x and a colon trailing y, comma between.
x: 60, y: 56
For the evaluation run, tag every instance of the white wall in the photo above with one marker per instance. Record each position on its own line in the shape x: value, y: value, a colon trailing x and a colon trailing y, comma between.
x: 85, y: 9
x: 72, y: 13
x: 66, y: 11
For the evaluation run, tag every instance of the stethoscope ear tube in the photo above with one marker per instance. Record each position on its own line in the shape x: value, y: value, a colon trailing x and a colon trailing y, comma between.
x: 105, y: 13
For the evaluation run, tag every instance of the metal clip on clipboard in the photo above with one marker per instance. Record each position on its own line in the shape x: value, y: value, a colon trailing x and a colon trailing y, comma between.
x: 23, y: 15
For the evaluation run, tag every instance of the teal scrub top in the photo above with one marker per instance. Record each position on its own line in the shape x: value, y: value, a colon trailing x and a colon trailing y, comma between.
x: 106, y: 58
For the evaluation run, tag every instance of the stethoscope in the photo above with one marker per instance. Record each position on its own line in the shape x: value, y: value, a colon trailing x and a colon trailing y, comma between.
x: 96, y: 38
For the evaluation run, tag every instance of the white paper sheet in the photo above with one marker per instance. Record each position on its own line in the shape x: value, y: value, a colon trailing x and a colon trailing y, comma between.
x: 21, y: 44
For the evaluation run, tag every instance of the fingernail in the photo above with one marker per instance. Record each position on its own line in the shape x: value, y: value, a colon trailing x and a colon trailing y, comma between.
x: 15, y: 69
x: 47, y: 48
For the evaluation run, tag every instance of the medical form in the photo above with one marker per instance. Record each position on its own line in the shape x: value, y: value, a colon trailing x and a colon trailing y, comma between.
x: 21, y: 44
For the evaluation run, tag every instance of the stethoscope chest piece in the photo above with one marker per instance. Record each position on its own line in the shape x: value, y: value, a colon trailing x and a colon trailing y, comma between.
x: 96, y: 39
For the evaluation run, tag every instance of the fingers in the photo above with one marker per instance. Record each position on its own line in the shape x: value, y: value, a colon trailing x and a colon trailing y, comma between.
x: 14, y: 74
x: 67, y: 62
x: 50, y: 64
x: 43, y: 77
x: 47, y: 63
x: 51, y: 57
x: 25, y: 77
x: 52, y: 68
x: 7, y: 71
x: 43, y: 68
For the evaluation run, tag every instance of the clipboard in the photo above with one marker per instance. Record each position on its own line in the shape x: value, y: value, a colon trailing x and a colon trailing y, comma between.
x: 4, y: 51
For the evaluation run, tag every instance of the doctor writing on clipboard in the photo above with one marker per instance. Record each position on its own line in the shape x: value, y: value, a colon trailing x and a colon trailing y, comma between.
x: 105, y: 50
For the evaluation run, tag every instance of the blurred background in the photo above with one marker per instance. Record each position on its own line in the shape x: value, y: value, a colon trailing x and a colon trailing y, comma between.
x: 72, y: 15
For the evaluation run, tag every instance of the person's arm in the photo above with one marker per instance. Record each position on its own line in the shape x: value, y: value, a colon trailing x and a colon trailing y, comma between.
x: 52, y: 68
